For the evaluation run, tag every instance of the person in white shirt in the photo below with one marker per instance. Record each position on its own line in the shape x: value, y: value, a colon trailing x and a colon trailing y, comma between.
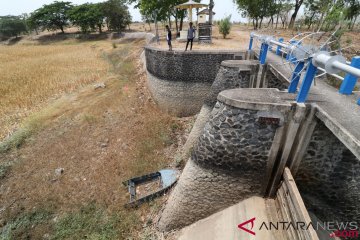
x: 190, y: 36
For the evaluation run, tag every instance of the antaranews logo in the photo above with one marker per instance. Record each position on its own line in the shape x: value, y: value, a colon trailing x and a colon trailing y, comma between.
x: 346, y: 230
x: 241, y: 226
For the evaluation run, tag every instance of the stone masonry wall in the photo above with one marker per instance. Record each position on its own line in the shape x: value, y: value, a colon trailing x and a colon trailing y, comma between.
x: 235, y: 140
x: 191, y: 66
x: 329, y: 179
x: 178, y: 98
x: 274, y: 82
x: 232, y: 74
x: 180, y: 81
x: 228, y: 164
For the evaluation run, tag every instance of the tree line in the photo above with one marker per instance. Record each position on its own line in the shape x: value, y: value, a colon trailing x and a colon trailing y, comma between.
x: 165, y: 11
x: 114, y: 14
x: 318, y: 14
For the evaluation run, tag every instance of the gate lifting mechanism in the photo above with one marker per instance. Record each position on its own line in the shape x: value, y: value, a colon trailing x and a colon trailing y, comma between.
x: 310, y: 52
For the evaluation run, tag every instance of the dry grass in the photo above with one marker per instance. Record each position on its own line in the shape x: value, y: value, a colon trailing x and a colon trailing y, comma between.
x: 101, y: 138
x: 31, y: 75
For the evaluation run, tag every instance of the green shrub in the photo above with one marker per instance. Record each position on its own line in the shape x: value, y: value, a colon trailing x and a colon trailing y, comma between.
x: 225, y: 26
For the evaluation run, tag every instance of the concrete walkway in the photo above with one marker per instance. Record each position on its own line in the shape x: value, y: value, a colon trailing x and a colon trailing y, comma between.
x: 224, y: 224
x: 340, y: 113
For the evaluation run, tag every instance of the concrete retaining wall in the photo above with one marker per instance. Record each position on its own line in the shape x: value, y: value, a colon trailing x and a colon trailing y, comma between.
x: 180, y: 81
x: 245, y: 139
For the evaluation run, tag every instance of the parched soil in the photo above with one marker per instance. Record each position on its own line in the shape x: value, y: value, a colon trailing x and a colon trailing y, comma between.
x: 65, y: 181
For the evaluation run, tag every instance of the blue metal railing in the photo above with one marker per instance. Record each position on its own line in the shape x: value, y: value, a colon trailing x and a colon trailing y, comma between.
x: 331, y: 64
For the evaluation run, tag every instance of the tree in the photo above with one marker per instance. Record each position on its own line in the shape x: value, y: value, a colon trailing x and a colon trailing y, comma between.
x: 284, y: 13
x: 325, y: 7
x: 163, y: 9
x: 334, y: 16
x: 225, y: 26
x: 12, y: 26
x: 313, y: 12
x: 117, y: 15
x: 352, y: 12
x: 52, y: 16
x: 88, y: 16
x: 297, y: 6
x: 256, y: 10
x: 211, y: 7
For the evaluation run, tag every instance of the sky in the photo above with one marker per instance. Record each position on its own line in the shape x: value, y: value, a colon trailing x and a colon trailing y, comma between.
x: 17, y: 7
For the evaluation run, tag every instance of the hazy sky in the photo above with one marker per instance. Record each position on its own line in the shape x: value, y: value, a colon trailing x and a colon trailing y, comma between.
x: 17, y: 7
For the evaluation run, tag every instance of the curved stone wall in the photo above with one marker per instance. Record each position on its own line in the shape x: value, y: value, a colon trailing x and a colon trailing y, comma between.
x: 232, y: 74
x: 180, y: 81
x: 232, y: 159
x: 234, y: 139
x: 178, y: 98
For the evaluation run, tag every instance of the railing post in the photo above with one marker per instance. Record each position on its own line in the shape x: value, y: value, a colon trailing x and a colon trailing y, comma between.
x: 296, y: 77
x: 278, y: 49
x: 349, y: 82
x: 306, y: 84
x: 251, y: 43
x: 264, y: 51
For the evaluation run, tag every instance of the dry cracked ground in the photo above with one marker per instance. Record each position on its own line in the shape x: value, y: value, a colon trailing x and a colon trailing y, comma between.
x: 61, y: 172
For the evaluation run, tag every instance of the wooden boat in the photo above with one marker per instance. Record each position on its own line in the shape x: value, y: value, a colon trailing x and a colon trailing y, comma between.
x: 145, y: 188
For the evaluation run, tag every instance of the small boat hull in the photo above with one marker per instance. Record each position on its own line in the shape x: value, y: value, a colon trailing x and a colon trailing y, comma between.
x: 164, y: 178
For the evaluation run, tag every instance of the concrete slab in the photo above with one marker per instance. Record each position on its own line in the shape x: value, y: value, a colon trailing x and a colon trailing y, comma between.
x: 224, y: 224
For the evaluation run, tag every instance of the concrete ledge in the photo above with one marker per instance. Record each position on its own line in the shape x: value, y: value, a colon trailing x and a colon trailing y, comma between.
x: 256, y: 99
x: 193, y: 52
x: 246, y: 65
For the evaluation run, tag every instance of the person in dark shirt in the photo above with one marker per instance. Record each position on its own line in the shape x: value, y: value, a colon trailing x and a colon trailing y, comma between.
x: 168, y: 37
x: 190, y: 36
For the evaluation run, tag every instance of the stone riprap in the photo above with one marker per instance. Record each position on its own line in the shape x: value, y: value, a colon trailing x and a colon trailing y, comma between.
x: 181, y: 81
x: 232, y: 74
x: 231, y: 161
x: 328, y: 178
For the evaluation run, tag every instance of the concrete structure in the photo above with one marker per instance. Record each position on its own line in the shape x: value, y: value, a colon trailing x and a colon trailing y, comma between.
x: 287, y: 207
x: 202, y: 16
x: 244, y: 139
x: 234, y: 157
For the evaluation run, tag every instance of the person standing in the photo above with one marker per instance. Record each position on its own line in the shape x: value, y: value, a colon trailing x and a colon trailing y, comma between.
x: 168, y: 37
x: 190, y: 36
